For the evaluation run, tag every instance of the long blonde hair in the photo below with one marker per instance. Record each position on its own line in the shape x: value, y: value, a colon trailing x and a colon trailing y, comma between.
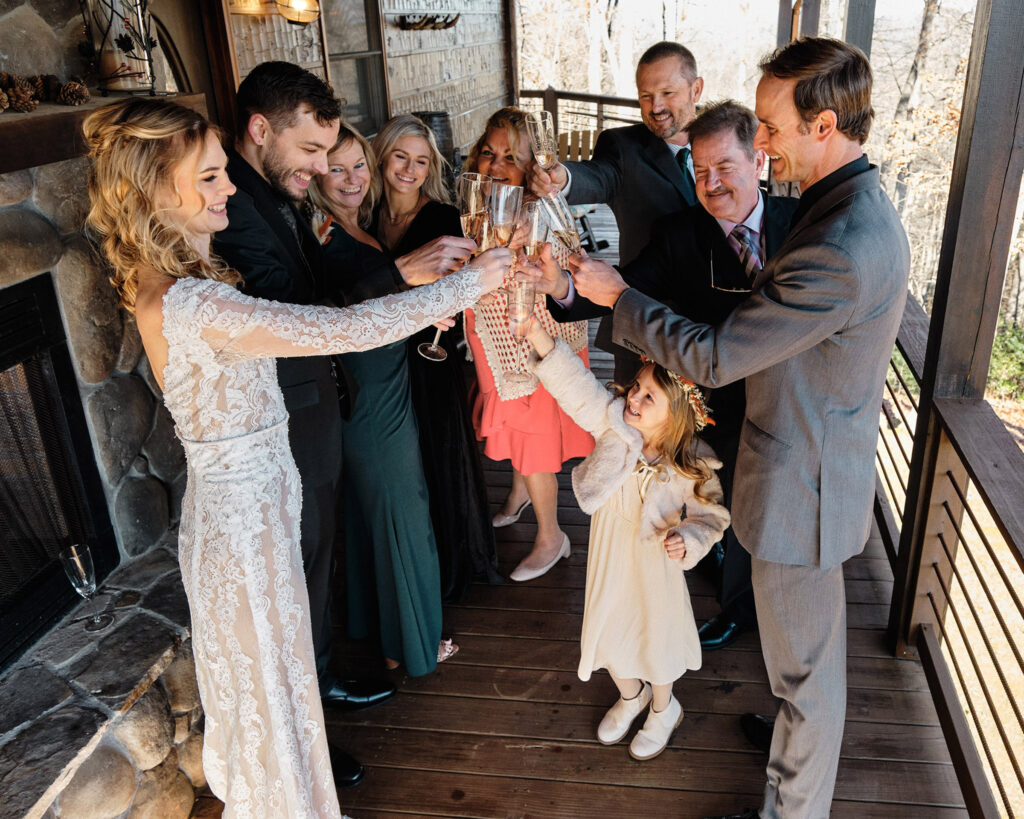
x: 677, y: 443
x: 136, y: 145
x: 513, y: 121
x: 346, y: 133
x: 407, y: 125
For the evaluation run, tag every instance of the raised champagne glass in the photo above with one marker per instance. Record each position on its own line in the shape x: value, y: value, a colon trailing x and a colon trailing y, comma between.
x: 521, y: 298
x: 561, y: 220
x: 540, y: 126
x: 77, y: 562
x: 504, y: 205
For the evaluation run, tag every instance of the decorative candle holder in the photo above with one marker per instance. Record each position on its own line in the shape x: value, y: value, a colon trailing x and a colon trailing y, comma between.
x: 118, y: 34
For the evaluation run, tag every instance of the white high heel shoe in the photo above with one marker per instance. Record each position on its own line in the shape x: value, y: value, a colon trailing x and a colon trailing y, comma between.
x: 652, y: 739
x: 519, y: 574
x: 500, y: 520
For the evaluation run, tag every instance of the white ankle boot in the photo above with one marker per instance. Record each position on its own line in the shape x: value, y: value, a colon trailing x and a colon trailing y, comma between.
x: 621, y: 715
x: 654, y: 736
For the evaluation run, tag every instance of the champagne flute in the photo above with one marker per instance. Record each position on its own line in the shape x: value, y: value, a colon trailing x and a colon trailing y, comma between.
x: 563, y: 224
x: 77, y: 562
x: 537, y: 234
x: 504, y: 204
x: 521, y: 300
x: 540, y: 126
x: 471, y: 192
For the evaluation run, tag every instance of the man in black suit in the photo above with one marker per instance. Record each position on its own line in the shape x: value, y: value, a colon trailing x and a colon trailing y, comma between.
x: 287, y: 123
x: 643, y: 172
x: 697, y: 266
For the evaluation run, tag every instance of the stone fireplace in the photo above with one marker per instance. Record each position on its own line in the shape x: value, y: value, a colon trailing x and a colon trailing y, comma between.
x: 101, y: 724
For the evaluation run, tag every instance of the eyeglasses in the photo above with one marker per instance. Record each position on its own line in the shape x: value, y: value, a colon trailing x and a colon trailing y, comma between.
x: 724, y: 289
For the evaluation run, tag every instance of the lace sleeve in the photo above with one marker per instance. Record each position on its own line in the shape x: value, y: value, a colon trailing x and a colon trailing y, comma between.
x: 240, y: 326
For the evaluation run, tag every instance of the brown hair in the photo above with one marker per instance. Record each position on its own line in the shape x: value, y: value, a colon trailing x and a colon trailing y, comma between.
x: 830, y: 75
x: 346, y: 134
x: 278, y: 90
x: 678, y: 442
x: 666, y: 49
x: 726, y: 115
x: 513, y: 121
x: 407, y: 125
x: 136, y: 146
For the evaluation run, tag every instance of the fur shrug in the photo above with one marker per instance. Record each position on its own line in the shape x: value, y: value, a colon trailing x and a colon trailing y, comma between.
x: 670, y: 503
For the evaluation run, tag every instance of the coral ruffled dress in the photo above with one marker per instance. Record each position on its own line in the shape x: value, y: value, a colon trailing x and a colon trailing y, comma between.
x: 532, y: 431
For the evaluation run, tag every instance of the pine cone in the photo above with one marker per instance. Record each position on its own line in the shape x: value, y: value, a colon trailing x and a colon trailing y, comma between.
x: 36, y: 81
x: 24, y: 83
x: 21, y: 100
x: 73, y: 93
x: 3, y: 100
x: 51, y: 88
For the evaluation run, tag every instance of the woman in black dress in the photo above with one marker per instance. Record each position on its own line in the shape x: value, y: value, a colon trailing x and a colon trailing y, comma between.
x: 415, y: 209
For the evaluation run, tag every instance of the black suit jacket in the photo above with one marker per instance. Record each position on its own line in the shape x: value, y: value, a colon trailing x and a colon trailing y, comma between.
x: 637, y: 175
x: 675, y: 268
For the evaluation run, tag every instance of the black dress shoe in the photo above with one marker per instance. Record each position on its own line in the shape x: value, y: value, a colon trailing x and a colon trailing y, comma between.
x: 347, y: 772
x: 758, y: 730
x: 355, y: 695
x: 719, y: 632
x: 749, y: 813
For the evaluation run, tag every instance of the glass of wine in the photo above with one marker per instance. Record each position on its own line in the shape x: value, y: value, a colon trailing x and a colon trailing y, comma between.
x: 471, y: 190
x: 521, y: 298
x: 540, y: 126
x: 504, y: 205
x: 563, y: 224
x: 77, y: 562
x: 537, y: 230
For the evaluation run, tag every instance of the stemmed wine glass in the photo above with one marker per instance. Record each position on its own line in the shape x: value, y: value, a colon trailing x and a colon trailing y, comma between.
x: 77, y: 562
x: 563, y: 224
x: 504, y: 204
x: 521, y: 298
x: 540, y: 127
x: 471, y: 190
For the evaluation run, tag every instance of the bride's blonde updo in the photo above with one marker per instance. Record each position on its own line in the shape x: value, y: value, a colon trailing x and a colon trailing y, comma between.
x: 136, y: 146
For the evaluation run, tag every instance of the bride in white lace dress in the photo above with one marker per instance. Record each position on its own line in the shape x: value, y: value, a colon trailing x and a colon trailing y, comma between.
x: 158, y: 190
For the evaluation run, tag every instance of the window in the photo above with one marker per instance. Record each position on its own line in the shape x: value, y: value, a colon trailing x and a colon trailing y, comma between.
x: 355, y: 60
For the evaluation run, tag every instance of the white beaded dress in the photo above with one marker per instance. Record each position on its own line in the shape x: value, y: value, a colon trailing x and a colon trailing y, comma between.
x: 265, y: 750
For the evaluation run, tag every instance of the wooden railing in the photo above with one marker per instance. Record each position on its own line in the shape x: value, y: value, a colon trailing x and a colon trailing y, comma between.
x: 966, y: 585
x: 573, y: 111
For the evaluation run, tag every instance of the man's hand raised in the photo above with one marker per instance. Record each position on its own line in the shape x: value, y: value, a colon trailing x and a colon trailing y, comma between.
x: 550, y: 181
x: 596, y: 280
x: 435, y: 259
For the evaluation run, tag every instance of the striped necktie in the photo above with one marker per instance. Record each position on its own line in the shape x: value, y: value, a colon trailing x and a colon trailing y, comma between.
x: 748, y: 248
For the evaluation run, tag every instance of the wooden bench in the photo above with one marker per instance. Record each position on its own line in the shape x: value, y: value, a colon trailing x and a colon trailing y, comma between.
x: 578, y: 146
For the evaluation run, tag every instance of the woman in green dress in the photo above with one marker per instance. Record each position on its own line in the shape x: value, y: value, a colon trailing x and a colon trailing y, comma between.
x: 392, y: 575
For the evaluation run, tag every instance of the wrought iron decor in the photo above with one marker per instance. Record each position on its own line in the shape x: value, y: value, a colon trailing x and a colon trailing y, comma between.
x: 118, y: 38
x: 426, y: 21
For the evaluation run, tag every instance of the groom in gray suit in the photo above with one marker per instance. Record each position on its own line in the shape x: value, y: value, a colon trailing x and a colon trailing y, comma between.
x: 813, y: 342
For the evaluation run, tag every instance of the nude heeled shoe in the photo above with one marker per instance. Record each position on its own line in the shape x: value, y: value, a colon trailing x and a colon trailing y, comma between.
x: 519, y: 574
x: 500, y: 520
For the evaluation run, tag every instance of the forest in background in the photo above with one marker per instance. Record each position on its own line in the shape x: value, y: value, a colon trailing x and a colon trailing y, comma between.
x: 919, y: 55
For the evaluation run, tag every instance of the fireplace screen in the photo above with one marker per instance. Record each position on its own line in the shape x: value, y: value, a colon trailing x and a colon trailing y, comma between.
x: 50, y: 494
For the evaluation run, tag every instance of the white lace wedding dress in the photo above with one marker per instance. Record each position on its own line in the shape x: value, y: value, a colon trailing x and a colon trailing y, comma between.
x: 265, y: 752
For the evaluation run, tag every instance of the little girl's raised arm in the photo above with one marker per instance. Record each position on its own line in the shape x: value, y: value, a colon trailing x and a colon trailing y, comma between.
x: 567, y: 378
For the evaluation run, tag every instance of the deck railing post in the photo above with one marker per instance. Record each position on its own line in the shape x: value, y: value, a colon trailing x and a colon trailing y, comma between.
x: 551, y: 104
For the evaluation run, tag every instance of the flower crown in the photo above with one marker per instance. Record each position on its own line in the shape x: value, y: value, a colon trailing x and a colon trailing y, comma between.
x: 693, y: 395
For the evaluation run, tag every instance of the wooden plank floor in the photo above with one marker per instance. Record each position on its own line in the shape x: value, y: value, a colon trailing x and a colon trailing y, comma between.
x: 506, y: 729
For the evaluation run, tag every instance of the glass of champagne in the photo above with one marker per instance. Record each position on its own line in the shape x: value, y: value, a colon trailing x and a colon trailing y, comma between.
x: 540, y: 126
x: 471, y: 190
x: 563, y: 224
x: 537, y: 230
x: 77, y: 562
x: 505, y: 203
x: 521, y: 298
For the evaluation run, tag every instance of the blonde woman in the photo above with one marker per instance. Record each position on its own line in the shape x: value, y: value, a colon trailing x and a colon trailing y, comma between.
x: 414, y: 210
x: 523, y: 425
x: 158, y: 190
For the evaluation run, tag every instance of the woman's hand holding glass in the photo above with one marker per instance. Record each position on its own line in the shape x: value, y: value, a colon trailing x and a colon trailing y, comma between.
x: 493, y: 264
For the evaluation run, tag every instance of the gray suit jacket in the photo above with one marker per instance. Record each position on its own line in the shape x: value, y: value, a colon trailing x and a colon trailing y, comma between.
x: 635, y: 173
x: 813, y: 342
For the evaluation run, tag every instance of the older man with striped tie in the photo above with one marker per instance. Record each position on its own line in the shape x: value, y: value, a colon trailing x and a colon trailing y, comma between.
x: 701, y: 262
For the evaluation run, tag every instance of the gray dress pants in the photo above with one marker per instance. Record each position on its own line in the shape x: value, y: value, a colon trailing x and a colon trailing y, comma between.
x: 801, y: 612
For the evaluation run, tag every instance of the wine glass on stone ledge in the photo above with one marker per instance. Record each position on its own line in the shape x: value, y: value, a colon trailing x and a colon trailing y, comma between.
x: 77, y: 562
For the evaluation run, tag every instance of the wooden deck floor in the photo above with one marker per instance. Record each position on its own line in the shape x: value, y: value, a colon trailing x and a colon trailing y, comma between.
x: 506, y: 729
